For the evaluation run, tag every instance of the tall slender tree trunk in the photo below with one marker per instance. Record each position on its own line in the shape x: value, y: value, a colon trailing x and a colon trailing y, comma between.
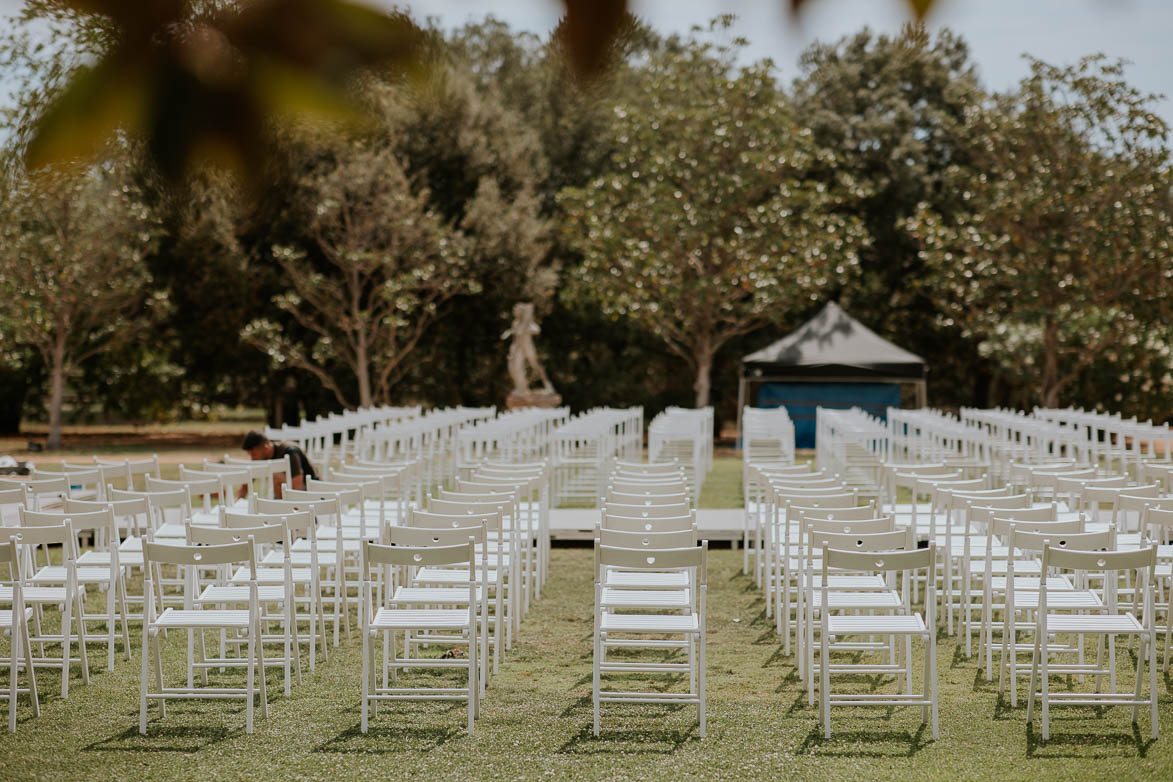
x: 363, y: 370
x: 704, y: 369
x: 1049, y: 392
x: 56, y: 393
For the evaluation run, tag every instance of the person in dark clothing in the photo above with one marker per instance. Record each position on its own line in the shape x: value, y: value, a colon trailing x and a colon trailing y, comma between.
x: 261, y: 447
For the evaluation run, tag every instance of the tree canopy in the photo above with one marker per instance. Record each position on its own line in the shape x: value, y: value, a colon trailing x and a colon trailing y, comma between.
x: 665, y: 203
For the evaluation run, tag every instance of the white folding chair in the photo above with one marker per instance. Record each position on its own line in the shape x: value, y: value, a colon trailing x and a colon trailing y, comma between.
x: 493, y: 577
x: 905, y: 623
x: 14, y: 621
x: 1022, y: 594
x: 418, y: 593
x: 195, y: 618
x: 104, y: 572
x: 388, y: 619
x: 617, y: 629
x: 66, y: 597
x: 1110, y: 622
x: 274, y: 593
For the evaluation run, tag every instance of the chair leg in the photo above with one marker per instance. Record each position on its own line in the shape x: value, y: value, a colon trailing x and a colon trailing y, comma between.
x: 66, y: 645
x: 1045, y: 689
x: 143, y: 683
x: 1007, y: 656
x: 366, y: 680
x: 1168, y: 626
x: 14, y: 670
x: 908, y: 663
x: 125, y: 614
x: 191, y: 657
x: 825, y: 683
x: 1153, y: 685
x: 701, y: 680
x: 935, y: 703
x: 111, y: 624
x: 473, y: 663
x: 250, y: 682
x: 1140, y: 655
x: 596, y: 683
x: 1034, y: 671
x: 157, y: 653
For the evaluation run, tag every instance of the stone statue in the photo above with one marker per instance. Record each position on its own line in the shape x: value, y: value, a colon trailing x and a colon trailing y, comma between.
x: 523, y: 356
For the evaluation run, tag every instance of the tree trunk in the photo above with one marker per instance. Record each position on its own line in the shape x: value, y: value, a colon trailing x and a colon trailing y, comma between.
x: 704, y: 367
x: 56, y: 394
x: 363, y: 370
x: 1049, y: 392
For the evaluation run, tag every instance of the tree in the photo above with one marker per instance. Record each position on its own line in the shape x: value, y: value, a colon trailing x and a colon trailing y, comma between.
x: 708, y: 228
x: 378, y: 263
x: 72, y: 271
x: 893, y: 108
x: 482, y: 166
x: 1062, y: 253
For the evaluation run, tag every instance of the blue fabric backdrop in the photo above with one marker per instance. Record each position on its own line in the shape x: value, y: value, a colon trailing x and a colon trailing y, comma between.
x: 801, y: 399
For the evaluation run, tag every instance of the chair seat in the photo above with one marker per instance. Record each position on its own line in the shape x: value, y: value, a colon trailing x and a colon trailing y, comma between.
x: 102, y: 558
x: 878, y: 625
x: 1092, y: 623
x: 55, y: 574
x: 272, y: 575
x: 225, y: 619
x: 349, y: 533
x: 649, y: 623
x: 349, y: 545
x: 644, y: 579
x: 301, y: 558
x: 1024, y: 567
x: 880, y: 599
x: 35, y: 594
x: 854, y: 582
x: 1031, y: 583
x: 174, y: 529
x: 420, y: 618
x: 442, y: 575
x: 239, y: 594
x: 646, y: 598
x: 1069, y: 600
x: 6, y: 616
x: 433, y: 595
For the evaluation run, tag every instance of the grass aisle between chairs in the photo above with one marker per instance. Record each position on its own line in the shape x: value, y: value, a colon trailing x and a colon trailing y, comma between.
x: 536, y: 719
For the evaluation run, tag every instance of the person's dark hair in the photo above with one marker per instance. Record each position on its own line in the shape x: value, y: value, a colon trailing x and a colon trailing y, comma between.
x: 254, y: 439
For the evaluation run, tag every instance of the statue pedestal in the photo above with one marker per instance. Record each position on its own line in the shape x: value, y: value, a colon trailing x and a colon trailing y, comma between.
x: 535, y: 398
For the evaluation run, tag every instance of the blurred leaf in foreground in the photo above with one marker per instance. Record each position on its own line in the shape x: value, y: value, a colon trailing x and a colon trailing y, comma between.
x: 203, y: 80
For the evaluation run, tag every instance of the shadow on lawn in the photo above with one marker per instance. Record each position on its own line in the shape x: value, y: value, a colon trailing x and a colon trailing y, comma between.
x: 628, y: 742
x: 1094, y: 746
x: 165, y: 738
x: 844, y: 744
x: 389, y: 738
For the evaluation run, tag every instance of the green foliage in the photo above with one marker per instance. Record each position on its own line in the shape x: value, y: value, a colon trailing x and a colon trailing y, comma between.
x: 707, y: 227
x: 1061, y: 257
x: 657, y: 201
x: 204, y: 81
x: 72, y: 267
x: 893, y: 110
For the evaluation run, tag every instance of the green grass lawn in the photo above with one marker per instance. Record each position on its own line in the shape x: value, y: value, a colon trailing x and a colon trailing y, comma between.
x: 536, y: 720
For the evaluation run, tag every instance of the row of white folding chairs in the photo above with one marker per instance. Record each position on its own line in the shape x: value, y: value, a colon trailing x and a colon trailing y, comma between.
x: 650, y: 593
x: 1080, y: 488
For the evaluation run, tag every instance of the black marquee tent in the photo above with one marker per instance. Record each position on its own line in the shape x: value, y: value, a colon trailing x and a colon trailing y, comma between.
x: 832, y: 349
